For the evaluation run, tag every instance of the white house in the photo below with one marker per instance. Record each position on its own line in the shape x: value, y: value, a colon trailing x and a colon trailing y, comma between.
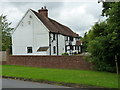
x: 37, y: 34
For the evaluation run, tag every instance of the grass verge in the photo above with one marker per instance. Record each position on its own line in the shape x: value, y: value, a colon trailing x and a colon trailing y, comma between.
x: 94, y: 78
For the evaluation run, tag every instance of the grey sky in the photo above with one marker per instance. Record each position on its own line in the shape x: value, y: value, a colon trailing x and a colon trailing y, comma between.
x: 79, y: 16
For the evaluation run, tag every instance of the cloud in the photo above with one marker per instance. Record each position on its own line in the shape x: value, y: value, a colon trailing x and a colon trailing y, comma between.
x: 79, y: 16
x: 13, y: 13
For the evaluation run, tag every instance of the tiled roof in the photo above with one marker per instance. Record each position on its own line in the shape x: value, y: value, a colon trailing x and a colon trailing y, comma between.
x: 78, y: 42
x: 54, y: 26
x: 42, y: 49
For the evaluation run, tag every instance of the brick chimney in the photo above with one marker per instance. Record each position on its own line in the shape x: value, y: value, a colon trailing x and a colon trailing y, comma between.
x: 43, y: 11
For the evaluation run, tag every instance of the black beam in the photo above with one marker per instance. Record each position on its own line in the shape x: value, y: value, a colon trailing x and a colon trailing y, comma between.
x: 50, y: 43
x: 57, y: 46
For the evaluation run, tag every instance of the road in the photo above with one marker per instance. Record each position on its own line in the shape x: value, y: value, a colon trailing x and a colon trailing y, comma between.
x: 9, y: 83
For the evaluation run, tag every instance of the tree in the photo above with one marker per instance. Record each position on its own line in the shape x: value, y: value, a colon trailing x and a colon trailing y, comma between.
x: 97, y: 30
x: 103, y: 40
x: 112, y: 11
x: 84, y: 40
x: 5, y: 32
x: 99, y: 47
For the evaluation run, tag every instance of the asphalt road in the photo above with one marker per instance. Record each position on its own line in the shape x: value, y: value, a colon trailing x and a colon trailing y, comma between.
x: 9, y: 83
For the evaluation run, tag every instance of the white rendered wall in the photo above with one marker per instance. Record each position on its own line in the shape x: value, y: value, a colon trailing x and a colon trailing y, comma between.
x: 53, y: 43
x: 61, y: 44
x: 30, y: 33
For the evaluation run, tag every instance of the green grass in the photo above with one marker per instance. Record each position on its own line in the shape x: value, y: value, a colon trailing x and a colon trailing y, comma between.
x: 94, y: 78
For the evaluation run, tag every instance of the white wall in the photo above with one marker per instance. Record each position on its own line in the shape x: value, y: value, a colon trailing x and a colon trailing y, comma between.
x: 61, y: 44
x: 30, y: 32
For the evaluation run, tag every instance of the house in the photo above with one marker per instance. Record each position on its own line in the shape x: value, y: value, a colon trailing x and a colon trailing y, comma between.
x: 37, y: 34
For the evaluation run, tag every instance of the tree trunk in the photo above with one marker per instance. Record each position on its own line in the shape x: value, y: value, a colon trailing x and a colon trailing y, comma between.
x: 116, y: 64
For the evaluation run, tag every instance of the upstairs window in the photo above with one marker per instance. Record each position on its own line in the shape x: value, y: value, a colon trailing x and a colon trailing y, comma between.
x: 66, y: 38
x: 29, y: 49
x: 77, y: 38
x: 71, y: 38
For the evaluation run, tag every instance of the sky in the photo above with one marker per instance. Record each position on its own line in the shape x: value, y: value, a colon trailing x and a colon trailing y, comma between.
x: 79, y: 16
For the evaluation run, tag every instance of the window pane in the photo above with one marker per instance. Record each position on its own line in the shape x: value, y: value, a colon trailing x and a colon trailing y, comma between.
x: 29, y: 49
x: 71, y: 38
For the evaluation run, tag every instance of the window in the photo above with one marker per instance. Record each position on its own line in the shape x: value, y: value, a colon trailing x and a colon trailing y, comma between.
x: 54, y: 49
x: 71, y: 38
x: 30, y: 16
x: 76, y: 47
x: 77, y: 38
x: 71, y: 47
x: 29, y: 49
x: 53, y: 36
x: 66, y: 38
x: 65, y: 48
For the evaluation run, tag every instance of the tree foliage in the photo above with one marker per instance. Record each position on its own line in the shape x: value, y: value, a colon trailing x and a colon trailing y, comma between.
x: 103, y: 40
x: 5, y: 31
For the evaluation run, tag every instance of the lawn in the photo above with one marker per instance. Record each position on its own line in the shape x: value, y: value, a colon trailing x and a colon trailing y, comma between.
x: 94, y: 78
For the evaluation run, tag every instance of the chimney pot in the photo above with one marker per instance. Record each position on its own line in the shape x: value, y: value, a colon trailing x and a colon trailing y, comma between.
x: 43, y: 11
x: 44, y: 7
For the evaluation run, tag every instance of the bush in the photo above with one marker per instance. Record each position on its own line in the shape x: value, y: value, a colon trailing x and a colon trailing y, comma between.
x: 101, y: 54
x: 65, y: 54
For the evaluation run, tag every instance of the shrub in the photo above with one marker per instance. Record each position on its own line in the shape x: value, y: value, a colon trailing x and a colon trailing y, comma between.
x: 101, y: 54
x: 65, y: 54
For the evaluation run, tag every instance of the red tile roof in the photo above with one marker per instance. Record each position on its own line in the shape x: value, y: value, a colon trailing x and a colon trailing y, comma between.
x: 78, y: 42
x: 42, y: 49
x: 54, y: 26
